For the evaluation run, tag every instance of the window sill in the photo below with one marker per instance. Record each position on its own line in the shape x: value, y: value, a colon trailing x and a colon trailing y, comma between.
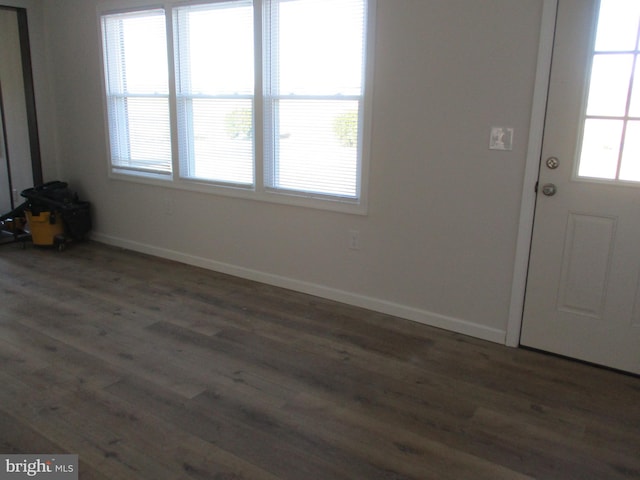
x: 247, y: 193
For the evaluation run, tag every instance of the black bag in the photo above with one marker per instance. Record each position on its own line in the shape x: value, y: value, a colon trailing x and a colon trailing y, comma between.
x: 77, y: 219
x: 51, y: 194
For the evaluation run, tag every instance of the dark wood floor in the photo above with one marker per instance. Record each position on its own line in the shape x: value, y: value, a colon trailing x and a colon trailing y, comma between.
x: 149, y: 369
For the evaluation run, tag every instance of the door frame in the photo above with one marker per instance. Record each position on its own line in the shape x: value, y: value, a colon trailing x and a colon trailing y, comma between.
x: 531, y: 172
x: 29, y: 94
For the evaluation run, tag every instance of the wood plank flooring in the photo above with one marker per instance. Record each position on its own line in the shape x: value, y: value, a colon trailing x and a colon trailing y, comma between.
x: 149, y: 369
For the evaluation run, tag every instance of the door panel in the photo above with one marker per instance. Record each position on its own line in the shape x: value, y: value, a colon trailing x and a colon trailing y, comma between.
x: 582, y: 295
x: 586, y: 264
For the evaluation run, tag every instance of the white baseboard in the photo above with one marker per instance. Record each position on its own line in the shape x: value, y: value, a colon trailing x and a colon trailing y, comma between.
x: 383, y: 306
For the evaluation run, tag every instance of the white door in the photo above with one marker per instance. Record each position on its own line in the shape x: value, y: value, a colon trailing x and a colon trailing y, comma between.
x: 583, y: 288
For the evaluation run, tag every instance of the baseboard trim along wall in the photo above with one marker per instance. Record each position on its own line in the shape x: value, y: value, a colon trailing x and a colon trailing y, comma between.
x: 382, y: 306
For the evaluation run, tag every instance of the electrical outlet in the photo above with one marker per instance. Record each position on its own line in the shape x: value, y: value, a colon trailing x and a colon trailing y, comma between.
x: 354, y: 240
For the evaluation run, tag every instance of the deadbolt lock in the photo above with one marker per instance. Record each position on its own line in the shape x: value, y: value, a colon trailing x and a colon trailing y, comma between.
x: 552, y: 163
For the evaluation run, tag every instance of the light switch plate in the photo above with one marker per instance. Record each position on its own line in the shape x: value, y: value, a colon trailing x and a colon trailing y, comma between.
x: 501, y: 138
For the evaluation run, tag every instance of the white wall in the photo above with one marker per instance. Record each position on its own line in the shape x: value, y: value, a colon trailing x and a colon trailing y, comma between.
x: 439, y: 239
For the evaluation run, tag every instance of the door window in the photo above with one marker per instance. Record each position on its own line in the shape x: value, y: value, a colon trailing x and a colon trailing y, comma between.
x: 610, y: 147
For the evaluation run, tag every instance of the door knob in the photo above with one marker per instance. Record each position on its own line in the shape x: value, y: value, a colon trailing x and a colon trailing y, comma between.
x: 549, y: 189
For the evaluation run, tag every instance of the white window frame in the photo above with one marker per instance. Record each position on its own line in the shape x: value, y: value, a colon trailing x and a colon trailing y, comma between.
x: 116, y: 100
x: 260, y: 191
x: 186, y: 97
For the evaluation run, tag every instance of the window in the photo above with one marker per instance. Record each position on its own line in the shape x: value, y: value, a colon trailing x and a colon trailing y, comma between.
x: 215, y: 85
x: 266, y: 97
x: 611, y: 135
x: 137, y: 91
x: 313, y: 102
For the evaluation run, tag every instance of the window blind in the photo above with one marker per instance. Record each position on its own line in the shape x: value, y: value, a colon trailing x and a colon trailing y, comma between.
x: 137, y: 90
x: 314, y: 86
x: 304, y: 58
x: 215, y: 91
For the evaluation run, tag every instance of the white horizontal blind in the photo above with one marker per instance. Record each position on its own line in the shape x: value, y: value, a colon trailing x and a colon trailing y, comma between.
x: 137, y: 90
x: 213, y: 46
x: 314, y: 86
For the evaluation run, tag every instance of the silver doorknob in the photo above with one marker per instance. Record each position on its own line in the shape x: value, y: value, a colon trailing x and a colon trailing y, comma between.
x: 549, y: 189
x: 552, y: 163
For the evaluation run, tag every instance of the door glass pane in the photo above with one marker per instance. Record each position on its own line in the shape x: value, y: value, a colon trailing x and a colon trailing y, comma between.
x: 634, y: 107
x: 617, y: 25
x: 613, y: 105
x: 630, y: 169
x: 609, y: 85
x: 600, y: 148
